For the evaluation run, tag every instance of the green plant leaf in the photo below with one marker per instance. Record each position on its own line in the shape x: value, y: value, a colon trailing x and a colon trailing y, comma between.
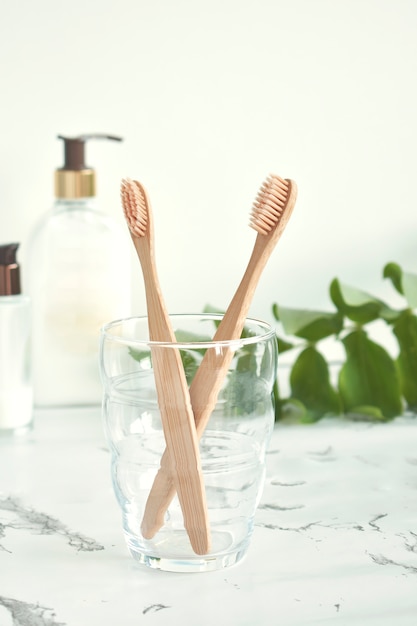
x: 244, y: 393
x: 358, y: 305
x: 310, y: 384
x: 209, y: 308
x: 216, y: 311
x: 139, y: 355
x: 366, y: 413
x: 404, y: 282
x: 369, y: 376
x: 191, y: 361
x: 308, y: 324
x: 275, y: 310
x: 185, y: 336
x: 394, y: 272
x: 284, y: 345
x: 405, y: 329
x: 409, y: 283
x: 292, y: 411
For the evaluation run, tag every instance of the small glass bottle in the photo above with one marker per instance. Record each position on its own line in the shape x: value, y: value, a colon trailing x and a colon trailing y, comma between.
x: 16, y: 399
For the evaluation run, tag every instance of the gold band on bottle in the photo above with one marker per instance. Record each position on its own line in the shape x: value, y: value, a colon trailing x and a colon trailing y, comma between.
x: 75, y: 183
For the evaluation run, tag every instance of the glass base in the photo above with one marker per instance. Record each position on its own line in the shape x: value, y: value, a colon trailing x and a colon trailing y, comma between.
x: 180, y: 560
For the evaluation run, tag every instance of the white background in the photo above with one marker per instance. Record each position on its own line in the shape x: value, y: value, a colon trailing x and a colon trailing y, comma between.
x: 210, y: 98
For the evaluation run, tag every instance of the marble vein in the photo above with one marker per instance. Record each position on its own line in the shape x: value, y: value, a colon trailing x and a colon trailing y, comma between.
x: 380, y: 559
x: 43, y: 524
x: 296, y: 529
x: 26, y: 614
x: 278, y: 483
x: 374, y: 520
x: 411, y: 547
x: 154, y: 607
x: 336, y: 527
x: 2, y: 536
x: 322, y: 453
x: 278, y: 507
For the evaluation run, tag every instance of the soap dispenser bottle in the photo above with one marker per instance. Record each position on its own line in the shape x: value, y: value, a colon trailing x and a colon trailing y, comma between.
x: 79, y: 279
x: 15, y: 362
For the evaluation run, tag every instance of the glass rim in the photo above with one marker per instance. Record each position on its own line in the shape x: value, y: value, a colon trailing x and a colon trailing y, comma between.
x: 269, y: 332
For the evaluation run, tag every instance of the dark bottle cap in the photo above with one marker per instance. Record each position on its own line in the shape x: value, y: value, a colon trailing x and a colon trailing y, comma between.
x: 9, y: 270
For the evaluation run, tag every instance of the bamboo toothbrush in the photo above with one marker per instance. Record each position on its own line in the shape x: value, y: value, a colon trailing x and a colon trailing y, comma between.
x: 271, y: 212
x: 183, y: 462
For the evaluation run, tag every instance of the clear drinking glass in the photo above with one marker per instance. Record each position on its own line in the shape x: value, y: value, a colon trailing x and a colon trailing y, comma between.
x: 232, y: 447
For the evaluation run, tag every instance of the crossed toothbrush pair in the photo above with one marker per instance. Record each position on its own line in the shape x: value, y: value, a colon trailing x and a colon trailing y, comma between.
x: 185, y: 419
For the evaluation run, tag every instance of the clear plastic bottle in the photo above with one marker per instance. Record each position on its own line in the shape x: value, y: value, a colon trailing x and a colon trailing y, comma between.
x: 79, y: 278
x: 16, y: 398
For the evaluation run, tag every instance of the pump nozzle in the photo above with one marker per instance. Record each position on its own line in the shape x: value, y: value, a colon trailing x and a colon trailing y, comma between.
x: 75, y: 179
x: 9, y: 270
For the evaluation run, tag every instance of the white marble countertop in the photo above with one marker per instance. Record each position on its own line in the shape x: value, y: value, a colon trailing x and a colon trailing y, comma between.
x: 335, y: 539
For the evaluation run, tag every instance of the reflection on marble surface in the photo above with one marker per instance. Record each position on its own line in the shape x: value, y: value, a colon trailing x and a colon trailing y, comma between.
x: 335, y: 540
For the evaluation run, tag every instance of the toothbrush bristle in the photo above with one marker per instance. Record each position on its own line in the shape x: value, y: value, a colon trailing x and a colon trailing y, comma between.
x: 269, y: 204
x: 134, y: 207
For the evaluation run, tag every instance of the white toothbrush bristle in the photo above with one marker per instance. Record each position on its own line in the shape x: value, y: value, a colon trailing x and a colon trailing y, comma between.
x: 134, y: 207
x: 269, y: 204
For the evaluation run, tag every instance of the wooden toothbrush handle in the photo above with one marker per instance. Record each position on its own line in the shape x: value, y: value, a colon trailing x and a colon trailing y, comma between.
x: 205, y: 388
x: 183, y: 462
x: 204, y: 393
x: 181, y: 439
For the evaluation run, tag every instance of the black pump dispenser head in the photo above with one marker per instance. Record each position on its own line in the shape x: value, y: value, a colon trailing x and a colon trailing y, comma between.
x: 75, y: 179
x: 9, y: 270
